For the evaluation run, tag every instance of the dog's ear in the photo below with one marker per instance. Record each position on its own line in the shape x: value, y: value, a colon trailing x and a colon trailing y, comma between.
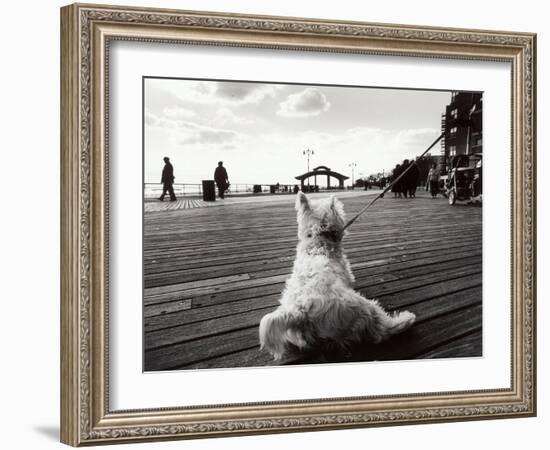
x: 337, y: 207
x: 302, y: 202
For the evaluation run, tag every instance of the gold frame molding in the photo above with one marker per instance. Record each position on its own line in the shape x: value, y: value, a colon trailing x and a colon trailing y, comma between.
x: 86, y: 31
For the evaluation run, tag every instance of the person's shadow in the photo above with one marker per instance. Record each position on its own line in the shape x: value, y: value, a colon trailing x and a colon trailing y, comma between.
x: 49, y: 431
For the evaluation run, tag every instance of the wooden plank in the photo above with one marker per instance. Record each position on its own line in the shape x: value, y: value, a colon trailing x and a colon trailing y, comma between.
x: 181, y: 314
x: 262, y: 252
x: 248, y: 357
x: 230, y: 276
x: 182, y: 317
x: 357, y: 255
x: 437, y: 287
x: 176, y: 356
x: 395, y: 266
x: 197, y: 302
x: 401, y: 300
x: 431, y: 334
x: 244, y: 334
x: 175, y: 293
x: 197, y: 284
x: 283, y: 224
x: 467, y: 346
x: 179, y: 333
x: 405, y: 284
x: 209, y: 327
x: 178, y: 246
x: 415, y: 342
x: 170, y: 293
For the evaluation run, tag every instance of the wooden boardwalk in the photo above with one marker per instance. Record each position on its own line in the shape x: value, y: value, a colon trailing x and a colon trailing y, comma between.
x: 212, y: 273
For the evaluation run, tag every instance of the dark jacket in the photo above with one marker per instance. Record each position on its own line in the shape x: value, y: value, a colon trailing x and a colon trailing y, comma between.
x: 220, y: 175
x: 395, y: 174
x: 167, y: 174
x: 412, y: 176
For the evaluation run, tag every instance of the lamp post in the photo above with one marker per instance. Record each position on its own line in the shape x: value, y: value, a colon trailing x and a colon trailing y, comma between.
x: 308, y: 152
x: 353, y: 165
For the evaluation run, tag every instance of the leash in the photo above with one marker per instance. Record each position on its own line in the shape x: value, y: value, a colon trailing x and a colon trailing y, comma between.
x: 465, y: 121
x: 394, y: 181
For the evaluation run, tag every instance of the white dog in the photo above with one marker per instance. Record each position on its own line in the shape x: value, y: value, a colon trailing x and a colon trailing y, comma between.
x: 319, y: 307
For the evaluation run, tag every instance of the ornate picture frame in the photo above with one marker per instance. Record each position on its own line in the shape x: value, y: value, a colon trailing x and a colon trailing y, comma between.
x: 86, y: 34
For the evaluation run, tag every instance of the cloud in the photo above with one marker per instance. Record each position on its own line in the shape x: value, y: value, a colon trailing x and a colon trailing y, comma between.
x: 187, y: 132
x: 235, y: 91
x: 177, y: 112
x: 169, y: 93
x: 309, y: 102
x: 419, y: 136
x: 206, y: 135
x: 225, y: 116
x: 243, y: 92
x: 150, y: 118
x: 374, y: 149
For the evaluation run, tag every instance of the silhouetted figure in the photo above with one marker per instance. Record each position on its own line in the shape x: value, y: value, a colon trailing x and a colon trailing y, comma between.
x: 221, y: 179
x: 434, y: 176
x: 167, y: 180
x: 411, y: 179
x: 404, y: 182
x: 396, y: 188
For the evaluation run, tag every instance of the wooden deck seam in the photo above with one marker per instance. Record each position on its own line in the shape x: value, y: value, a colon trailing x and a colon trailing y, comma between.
x: 443, y: 343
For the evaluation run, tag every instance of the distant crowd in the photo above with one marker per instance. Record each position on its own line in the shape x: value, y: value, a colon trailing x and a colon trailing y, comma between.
x: 407, y: 184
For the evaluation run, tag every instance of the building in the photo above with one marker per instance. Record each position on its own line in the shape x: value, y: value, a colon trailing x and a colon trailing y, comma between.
x: 463, y: 137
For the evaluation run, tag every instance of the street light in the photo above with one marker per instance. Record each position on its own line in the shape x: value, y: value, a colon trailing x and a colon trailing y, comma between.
x: 308, y: 152
x: 353, y: 165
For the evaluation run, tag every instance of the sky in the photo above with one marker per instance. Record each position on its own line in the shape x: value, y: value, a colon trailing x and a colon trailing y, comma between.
x: 260, y: 130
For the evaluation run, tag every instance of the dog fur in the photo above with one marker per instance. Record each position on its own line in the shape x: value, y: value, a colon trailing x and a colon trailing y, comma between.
x: 319, y: 307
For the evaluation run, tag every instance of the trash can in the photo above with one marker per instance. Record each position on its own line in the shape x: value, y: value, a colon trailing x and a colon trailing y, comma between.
x: 257, y: 189
x: 272, y: 188
x: 208, y: 190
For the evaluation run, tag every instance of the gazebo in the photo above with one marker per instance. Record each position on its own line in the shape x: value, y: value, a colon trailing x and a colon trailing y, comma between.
x: 323, y: 170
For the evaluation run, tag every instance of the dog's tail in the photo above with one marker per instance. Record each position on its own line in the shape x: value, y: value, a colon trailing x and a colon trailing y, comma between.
x: 277, y: 330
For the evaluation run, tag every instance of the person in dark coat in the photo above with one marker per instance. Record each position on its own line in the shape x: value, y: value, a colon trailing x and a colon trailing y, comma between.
x: 396, y: 188
x: 167, y: 180
x: 221, y: 179
x: 405, y: 180
x: 434, y: 175
x: 413, y: 175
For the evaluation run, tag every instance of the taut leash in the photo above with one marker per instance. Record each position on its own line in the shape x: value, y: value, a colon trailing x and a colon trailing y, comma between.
x: 394, y: 181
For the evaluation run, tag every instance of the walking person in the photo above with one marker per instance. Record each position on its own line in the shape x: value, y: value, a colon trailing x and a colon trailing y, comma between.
x: 413, y: 177
x: 167, y: 180
x: 221, y: 179
x: 434, y: 176
x: 396, y: 188
x: 403, y: 184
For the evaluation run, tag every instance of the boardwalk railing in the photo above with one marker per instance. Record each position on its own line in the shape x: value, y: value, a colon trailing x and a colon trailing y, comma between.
x: 154, y: 190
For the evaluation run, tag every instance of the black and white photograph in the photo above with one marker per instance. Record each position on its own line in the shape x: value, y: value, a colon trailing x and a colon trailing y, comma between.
x: 294, y: 224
